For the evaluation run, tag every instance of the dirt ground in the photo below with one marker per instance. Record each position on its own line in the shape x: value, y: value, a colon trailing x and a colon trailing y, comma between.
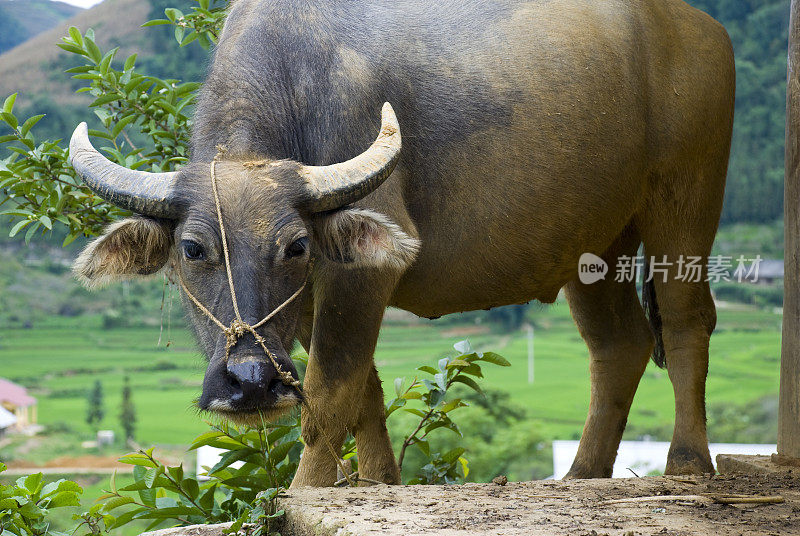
x: 551, y: 508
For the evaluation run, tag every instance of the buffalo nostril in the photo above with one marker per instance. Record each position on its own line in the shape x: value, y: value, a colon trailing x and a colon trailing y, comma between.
x: 234, y: 383
x: 274, y: 385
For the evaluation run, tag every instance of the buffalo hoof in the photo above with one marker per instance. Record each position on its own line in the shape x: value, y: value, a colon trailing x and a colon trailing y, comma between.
x: 580, y: 470
x: 687, y: 461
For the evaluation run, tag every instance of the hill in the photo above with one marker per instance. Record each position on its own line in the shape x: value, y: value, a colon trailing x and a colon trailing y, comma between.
x: 21, y: 20
x: 35, y: 69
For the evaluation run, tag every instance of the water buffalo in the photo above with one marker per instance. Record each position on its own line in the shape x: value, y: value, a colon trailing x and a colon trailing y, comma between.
x: 532, y: 132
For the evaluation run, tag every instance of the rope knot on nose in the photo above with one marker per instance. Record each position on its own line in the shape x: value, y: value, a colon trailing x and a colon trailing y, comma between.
x: 235, y: 331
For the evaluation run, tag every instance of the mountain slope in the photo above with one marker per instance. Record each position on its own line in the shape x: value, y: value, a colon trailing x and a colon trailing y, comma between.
x: 36, y: 67
x: 22, y: 19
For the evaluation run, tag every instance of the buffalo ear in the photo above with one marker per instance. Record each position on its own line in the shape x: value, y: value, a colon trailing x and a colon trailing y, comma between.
x: 133, y: 247
x: 362, y: 238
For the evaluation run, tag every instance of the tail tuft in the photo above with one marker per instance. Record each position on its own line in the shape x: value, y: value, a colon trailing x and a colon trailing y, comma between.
x: 650, y: 305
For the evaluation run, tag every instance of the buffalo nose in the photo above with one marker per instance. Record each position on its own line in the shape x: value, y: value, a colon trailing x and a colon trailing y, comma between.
x: 250, y: 379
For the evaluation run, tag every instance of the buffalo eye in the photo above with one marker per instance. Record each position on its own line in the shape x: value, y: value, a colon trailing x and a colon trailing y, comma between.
x: 297, y: 248
x: 192, y: 250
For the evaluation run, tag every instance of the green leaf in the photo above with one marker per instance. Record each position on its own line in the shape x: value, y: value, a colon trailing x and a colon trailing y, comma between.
x: 464, y: 465
x: 18, y: 227
x: 463, y: 347
x: 79, y: 69
x: 176, y: 472
x: 435, y: 397
x: 151, y: 474
x: 33, y: 483
x: 191, y: 488
x: 452, y: 455
x: 49, y: 488
x: 70, y: 239
x: 17, y: 212
x: 173, y: 14
x: 495, y: 359
x: 71, y: 48
x: 130, y: 61
x: 94, y: 51
x: 100, y: 134
x: 121, y: 124
x: 105, y: 99
x: 428, y: 369
x: 278, y: 433
x: 69, y: 485
x: 190, y: 38
x: 32, y: 229
x: 8, y: 105
x: 64, y: 498
x: 469, y: 382
x: 116, y: 502
x: 453, y: 404
x: 76, y: 36
x: 46, y: 222
x: 205, y: 439
x: 127, y: 517
x: 29, y: 123
x: 398, y: 386
x: 278, y: 453
x: 148, y: 496
x: 156, y: 22
x: 473, y: 369
x: 166, y: 502
x: 104, y: 65
x: 10, y: 119
x: 206, y: 500
x: 137, y: 459
x: 440, y: 381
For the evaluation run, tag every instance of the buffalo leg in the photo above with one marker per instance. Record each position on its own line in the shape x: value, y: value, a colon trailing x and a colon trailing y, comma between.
x: 376, y: 459
x: 688, y: 317
x: 341, y: 386
x: 678, y: 230
x: 611, y: 321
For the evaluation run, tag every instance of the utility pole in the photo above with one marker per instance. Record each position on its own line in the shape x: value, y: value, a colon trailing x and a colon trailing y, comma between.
x: 529, y: 329
x: 789, y: 404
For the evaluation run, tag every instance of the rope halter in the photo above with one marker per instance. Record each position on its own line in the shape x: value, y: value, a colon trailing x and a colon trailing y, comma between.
x: 238, y: 327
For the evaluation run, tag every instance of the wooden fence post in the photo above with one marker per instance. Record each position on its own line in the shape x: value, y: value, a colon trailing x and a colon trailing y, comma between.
x: 789, y: 405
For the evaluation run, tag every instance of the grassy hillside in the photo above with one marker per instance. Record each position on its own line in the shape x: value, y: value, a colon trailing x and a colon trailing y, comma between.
x: 70, y: 354
x: 35, y: 69
x: 21, y: 20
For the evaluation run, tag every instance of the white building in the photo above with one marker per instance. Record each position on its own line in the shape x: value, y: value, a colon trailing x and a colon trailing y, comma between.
x: 644, y: 457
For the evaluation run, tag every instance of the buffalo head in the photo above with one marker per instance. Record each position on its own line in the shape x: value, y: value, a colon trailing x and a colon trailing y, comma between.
x: 278, y: 216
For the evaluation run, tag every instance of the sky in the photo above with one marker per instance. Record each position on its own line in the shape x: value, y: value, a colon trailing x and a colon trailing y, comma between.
x: 81, y: 3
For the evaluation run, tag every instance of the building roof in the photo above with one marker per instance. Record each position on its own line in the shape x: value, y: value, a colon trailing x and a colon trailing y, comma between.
x: 15, y: 394
x: 764, y: 269
x: 6, y: 418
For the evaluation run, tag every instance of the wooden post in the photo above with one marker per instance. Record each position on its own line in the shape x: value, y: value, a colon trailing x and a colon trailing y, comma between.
x: 789, y: 405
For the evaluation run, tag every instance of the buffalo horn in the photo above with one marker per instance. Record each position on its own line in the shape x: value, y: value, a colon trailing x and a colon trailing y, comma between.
x: 149, y: 194
x: 331, y: 187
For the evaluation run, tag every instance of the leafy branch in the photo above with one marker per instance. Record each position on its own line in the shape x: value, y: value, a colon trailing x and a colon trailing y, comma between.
x: 431, y: 394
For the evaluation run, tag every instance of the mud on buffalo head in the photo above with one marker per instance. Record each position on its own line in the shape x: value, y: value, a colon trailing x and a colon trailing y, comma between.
x: 277, y: 216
